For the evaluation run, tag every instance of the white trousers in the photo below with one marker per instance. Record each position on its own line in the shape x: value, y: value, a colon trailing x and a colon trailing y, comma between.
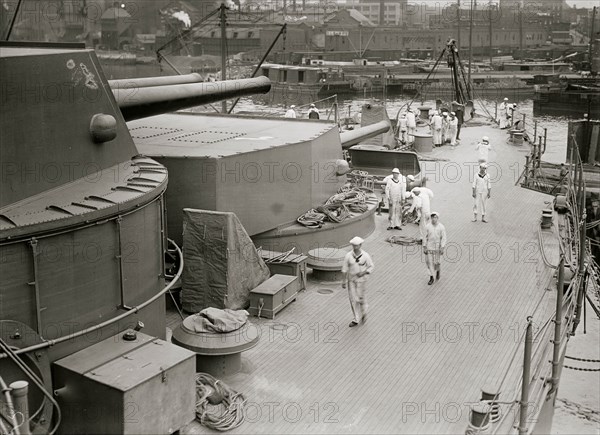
x: 395, y: 212
x: 479, y: 203
x: 358, y: 302
x: 452, y: 135
x: 437, y: 137
x: 411, y: 134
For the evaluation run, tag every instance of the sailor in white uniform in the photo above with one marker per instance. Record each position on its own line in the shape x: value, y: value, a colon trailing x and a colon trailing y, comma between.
x: 483, y: 149
x: 422, y: 197
x: 503, y: 114
x: 403, y: 128
x: 436, y: 129
x: 411, y: 124
x: 482, y: 189
x: 433, y: 246
x: 395, y: 191
x: 357, y: 266
x: 452, y: 128
x: 291, y: 113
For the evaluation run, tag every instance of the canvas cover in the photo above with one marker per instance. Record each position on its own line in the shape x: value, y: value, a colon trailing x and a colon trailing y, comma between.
x: 216, y: 320
x: 221, y: 264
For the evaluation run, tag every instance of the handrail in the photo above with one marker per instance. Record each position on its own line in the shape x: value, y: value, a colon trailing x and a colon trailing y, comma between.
x: 48, y: 343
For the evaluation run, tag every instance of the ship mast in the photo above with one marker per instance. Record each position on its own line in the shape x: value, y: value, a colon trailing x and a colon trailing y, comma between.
x: 491, y: 53
x: 458, y: 24
x: 223, y: 51
x: 591, y: 45
x: 470, y: 39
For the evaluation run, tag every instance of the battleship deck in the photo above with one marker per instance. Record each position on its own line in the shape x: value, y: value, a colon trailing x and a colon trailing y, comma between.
x: 425, y: 351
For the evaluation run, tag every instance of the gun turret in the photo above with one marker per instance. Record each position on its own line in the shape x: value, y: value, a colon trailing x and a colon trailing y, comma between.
x: 148, y: 101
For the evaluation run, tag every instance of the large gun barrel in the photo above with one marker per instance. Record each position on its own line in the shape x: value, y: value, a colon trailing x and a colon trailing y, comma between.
x: 144, y: 82
x: 356, y: 136
x: 148, y: 101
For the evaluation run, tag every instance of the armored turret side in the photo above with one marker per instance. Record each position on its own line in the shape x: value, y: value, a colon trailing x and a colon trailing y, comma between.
x: 81, y: 214
x: 62, y: 105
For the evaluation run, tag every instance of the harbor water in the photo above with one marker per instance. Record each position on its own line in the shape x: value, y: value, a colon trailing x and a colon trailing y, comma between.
x: 556, y: 134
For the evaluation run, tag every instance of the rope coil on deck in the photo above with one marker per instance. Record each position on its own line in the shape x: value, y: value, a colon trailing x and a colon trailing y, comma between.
x: 337, y: 208
x: 218, y: 407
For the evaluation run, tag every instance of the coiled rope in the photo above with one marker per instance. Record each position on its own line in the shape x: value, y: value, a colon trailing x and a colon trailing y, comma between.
x: 218, y: 407
x: 337, y: 208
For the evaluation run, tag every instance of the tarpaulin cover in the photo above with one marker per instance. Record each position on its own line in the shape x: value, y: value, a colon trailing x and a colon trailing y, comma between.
x: 374, y: 114
x: 216, y: 320
x: 221, y: 264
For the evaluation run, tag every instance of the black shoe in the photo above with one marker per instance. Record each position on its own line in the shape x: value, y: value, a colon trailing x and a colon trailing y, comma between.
x: 398, y: 228
x: 437, y: 275
x: 430, y: 280
x: 352, y: 324
x: 390, y: 228
x: 364, y: 318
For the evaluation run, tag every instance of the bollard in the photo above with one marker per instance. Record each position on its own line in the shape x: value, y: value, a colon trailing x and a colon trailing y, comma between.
x: 547, y: 215
x: 21, y: 405
x: 490, y: 394
x: 479, y: 421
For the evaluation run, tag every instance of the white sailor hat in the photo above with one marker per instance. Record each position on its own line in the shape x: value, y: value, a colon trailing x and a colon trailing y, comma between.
x: 292, y: 106
x: 505, y: 99
x: 395, y: 171
x: 416, y: 190
x: 434, y: 213
x: 356, y: 241
x: 453, y: 113
x: 410, y: 177
x: 483, y: 165
x: 312, y: 105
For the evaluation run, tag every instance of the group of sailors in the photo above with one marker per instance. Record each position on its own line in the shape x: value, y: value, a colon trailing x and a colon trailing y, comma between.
x: 444, y: 128
x: 358, y: 264
x: 399, y: 189
x: 445, y: 125
x: 313, y: 112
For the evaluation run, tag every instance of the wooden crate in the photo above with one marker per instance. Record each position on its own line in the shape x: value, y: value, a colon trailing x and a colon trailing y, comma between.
x: 273, y: 295
x: 294, y: 264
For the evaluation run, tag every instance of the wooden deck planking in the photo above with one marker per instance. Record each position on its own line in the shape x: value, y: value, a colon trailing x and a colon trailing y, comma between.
x: 370, y: 372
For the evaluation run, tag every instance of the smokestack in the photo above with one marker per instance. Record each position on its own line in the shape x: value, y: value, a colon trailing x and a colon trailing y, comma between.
x: 381, y: 12
x: 294, y: 5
